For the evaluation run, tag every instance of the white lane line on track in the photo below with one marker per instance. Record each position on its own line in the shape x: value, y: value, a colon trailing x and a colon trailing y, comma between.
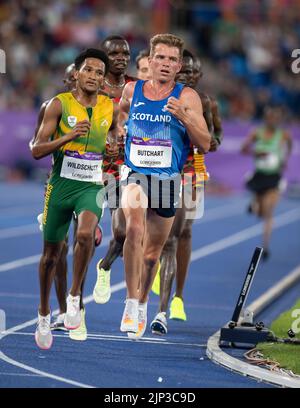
x: 243, y: 235
x: 281, y: 220
x: 227, y: 211
x: 31, y: 260
x: 20, y: 295
x: 148, y: 340
x: 213, y: 214
x: 86, y: 300
x: 20, y: 231
x: 42, y: 373
x: 14, y: 329
x: 248, y: 233
x: 18, y: 375
x: 20, y: 212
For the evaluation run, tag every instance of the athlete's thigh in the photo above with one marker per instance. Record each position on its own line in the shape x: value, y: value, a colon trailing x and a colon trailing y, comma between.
x: 118, y: 223
x: 90, y: 199
x: 56, y: 217
x: 269, y: 201
x: 157, y: 230
x: 134, y: 201
x: 179, y: 222
x: 87, y: 221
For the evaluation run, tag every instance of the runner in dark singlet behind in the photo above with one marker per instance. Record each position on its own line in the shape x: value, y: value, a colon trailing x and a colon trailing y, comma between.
x: 118, y: 52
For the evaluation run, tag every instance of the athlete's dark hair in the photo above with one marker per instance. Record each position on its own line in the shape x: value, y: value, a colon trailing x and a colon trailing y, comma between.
x: 142, y: 54
x: 187, y: 54
x: 91, y: 53
x: 112, y: 38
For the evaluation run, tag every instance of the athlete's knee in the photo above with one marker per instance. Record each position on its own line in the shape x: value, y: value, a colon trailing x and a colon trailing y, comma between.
x: 134, y: 232
x: 170, y: 245
x: 64, y: 249
x: 85, y: 237
x: 151, y: 259
x: 49, y: 260
x: 115, y: 245
x: 186, y: 232
x: 119, y: 233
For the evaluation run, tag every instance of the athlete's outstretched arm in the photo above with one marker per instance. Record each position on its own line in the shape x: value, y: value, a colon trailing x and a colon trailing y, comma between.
x: 112, y: 148
x: 247, y: 145
x: 217, y: 124
x: 208, y: 116
x: 188, y: 109
x: 125, y: 103
x: 39, y: 121
x: 289, y: 146
x: 42, y: 146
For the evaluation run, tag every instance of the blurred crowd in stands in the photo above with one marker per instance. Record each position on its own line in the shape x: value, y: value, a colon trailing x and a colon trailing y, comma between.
x: 245, y: 46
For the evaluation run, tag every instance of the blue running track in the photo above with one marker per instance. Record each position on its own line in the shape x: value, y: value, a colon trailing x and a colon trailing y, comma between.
x: 223, y: 242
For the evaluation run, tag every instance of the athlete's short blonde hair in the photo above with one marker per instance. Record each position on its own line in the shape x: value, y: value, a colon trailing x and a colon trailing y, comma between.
x: 167, y: 39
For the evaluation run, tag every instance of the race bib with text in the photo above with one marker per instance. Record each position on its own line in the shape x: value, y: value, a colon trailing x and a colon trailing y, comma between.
x: 151, y: 153
x: 82, y: 167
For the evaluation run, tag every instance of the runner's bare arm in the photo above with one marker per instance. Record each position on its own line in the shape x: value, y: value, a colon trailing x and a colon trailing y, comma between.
x: 246, y: 146
x: 287, y: 139
x: 112, y: 148
x: 43, y: 146
x: 39, y: 121
x: 188, y: 109
x: 207, y: 114
x: 125, y: 103
x: 217, y: 124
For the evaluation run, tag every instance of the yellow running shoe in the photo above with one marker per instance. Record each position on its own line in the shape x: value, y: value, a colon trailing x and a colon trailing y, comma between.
x: 80, y: 333
x: 102, y: 290
x: 156, y: 282
x: 177, y: 309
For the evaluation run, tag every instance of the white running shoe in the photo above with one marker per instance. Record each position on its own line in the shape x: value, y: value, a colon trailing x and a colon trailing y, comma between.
x: 40, y: 221
x: 142, y: 322
x: 58, y: 323
x: 130, y: 322
x: 102, y: 291
x: 73, y: 316
x: 43, y: 335
x: 80, y: 333
x: 159, y: 324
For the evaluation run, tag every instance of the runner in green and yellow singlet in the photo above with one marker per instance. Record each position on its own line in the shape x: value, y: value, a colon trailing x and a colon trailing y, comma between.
x: 74, y: 130
x: 270, y: 145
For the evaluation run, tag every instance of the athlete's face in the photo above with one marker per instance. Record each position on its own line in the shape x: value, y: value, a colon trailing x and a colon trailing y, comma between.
x: 143, y: 71
x: 118, y: 53
x: 165, y: 63
x: 91, y: 75
x: 272, y: 117
x: 185, y: 75
x: 197, y: 73
x: 69, y: 78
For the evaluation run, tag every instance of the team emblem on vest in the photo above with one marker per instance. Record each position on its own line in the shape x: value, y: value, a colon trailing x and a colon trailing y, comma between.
x: 72, y: 120
x: 104, y: 123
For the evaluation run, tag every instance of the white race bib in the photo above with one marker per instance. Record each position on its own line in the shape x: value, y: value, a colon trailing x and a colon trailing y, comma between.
x: 85, y: 167
x: 268, y: 162
x: 150, y: 153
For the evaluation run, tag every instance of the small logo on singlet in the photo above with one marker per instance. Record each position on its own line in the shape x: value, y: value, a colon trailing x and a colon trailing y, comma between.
x: 136, y: 105
x: 72, y: 120
x: 104, y: 123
